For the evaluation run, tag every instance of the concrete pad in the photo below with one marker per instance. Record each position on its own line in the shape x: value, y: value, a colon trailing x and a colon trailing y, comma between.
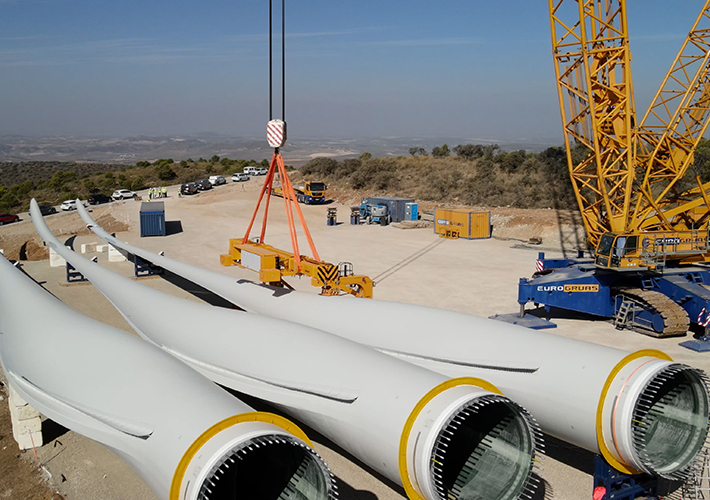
x: 26, y: 422
x: 55, y: 260
x: 114, y: 255
x: 88, y: 247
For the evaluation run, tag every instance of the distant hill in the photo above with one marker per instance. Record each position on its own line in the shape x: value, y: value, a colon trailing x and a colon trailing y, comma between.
x: 298, y: 150
x: 17, y: 172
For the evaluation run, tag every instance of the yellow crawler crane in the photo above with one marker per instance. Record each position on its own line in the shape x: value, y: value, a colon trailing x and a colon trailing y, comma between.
x: 628, y: 184
x: 645, y: 217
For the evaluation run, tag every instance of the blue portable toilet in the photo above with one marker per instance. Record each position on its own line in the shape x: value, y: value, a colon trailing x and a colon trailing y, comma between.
x: 411, y: 211
x: 152, y: 218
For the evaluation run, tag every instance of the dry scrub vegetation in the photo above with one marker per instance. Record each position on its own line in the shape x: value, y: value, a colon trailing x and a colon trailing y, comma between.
x: 53, y: 182
x: 485, y: 176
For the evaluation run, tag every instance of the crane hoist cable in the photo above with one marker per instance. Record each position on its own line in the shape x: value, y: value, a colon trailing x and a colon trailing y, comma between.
x: 276, y: 136
x: 271, y: 263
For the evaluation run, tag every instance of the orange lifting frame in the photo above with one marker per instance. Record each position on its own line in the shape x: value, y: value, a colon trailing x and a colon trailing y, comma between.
x: 277, y: 162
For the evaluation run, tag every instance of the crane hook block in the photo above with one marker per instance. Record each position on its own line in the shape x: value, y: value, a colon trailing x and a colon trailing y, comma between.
x: 276, y: 133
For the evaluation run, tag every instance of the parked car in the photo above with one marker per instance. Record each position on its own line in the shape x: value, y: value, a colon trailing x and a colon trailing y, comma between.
x: 262, y: 171
x: 217, y: 180
x: 123, y: 194
x: 203, y: 184
x: 251, y: 170
x: 98, y: 198
x: 239, y: 177
x: 189, y: 188
x: 68, y: 205
x: 7, y: 218
x: 47, y: 210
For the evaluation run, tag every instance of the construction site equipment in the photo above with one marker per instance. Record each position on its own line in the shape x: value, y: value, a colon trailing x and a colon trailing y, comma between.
x: 332, y: 216
x: 650, y: 235
x: 460, y: 223
x: 620, y: 486
x: 310, y: 193
x: 271, y: 263
x: 396, y: 207
x: 375, y: 214
x: 355, y: 215
x: 152, y: 217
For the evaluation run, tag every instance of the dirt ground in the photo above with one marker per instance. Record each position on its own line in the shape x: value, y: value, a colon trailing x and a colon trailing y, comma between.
x: 408, y: 265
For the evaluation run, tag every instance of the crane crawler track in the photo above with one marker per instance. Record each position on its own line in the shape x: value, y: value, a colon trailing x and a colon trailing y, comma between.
x: 675, y: 319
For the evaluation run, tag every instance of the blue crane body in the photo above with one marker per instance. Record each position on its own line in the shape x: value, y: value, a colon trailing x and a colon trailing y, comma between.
x: 658, y: 303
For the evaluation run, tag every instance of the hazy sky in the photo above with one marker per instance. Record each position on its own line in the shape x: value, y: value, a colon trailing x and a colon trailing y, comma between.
x: 361, y: 68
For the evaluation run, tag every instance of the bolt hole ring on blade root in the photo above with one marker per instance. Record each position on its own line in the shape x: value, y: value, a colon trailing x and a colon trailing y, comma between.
x: 653, y: 415
x: 484, y: 447
x: 298, y: 473
x: 271, y: 467
x: 670, y: 424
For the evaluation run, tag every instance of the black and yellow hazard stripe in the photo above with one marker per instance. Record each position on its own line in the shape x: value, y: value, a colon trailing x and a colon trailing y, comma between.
x: 327, y: 273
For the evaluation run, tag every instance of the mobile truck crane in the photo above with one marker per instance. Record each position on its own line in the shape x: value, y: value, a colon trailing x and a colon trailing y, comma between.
x: 649, y: 231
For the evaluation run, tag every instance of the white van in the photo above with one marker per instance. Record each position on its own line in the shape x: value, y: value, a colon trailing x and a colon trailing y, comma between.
x: 251, y: 170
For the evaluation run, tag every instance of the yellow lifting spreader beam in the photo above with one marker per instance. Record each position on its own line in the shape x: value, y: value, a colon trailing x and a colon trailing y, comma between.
x: 271, y: 263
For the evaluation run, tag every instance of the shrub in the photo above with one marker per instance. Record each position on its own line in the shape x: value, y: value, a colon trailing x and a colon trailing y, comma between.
x: 440, y: 151
x: 137, y: 184
x: 164, y: 172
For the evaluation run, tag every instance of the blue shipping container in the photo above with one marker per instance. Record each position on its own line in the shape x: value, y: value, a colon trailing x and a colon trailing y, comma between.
x: 152, y: 218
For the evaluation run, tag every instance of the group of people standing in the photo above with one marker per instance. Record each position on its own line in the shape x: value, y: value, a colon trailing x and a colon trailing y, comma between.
x: 155, y: 193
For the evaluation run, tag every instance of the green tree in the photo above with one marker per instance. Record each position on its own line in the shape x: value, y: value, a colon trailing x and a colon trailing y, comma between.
x: 418, y: 152
x: 183, y: 164
x: 214, y: 159
x: 164, y: 172
x: 107, y: 185
x: 89, y: 185
x: 365, y: 156
x: 440, y: 151
x: 9, y: 202
x: 469, y: 151
x: 137, y: 183
x: 511, y: 161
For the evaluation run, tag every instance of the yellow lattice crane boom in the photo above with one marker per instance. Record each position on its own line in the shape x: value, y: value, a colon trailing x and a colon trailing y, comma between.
x: 668, y: 135
x: 629, y: 181
x: 646, y: 218
x: 592, y: 63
